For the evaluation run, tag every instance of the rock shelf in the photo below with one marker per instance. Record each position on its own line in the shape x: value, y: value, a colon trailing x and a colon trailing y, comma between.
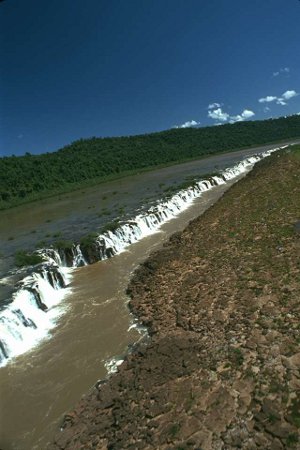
x: 221, y: 366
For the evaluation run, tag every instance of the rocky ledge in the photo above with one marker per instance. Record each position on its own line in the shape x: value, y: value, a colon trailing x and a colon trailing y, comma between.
x: 221, y: 302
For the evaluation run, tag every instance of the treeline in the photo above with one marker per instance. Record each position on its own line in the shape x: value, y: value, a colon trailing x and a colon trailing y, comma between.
x: 88, y: 161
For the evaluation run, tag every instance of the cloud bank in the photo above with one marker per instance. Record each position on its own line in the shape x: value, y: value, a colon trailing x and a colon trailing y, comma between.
x: 215, y: 112
x: 282, y: 100
x: 289, y: 94
x: 214, y: 105
x: 246, y: 114
x: 267, y: 99
x: 218, y: 114
x: 188, y: 124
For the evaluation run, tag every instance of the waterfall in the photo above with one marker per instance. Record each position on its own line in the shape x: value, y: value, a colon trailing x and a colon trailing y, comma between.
x: 33, y: 311
x: 111, y: 243
x: 37, y: 301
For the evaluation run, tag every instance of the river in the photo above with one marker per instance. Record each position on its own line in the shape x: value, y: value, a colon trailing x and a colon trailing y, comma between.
x: 40, y: 385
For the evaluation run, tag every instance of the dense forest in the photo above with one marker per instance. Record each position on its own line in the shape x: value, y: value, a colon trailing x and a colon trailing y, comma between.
x: 89, y: 161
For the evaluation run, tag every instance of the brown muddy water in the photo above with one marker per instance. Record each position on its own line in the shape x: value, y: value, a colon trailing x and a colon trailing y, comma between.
x: 71, y: 215
x: 41, y: 385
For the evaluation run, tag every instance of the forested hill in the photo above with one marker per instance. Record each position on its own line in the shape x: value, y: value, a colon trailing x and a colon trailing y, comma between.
x: 88, y: 161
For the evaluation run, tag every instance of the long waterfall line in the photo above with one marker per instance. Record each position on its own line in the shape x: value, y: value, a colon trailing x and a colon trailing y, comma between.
x: 37, y: 301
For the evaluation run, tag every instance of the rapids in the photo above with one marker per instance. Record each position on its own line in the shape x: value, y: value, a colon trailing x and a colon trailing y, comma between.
x: 68, y: 320
x: 36, y: 303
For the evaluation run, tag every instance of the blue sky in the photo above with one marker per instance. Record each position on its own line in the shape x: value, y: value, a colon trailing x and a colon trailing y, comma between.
x: 74, y: 68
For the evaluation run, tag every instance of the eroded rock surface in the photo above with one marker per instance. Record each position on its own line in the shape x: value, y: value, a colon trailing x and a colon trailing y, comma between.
x: 221, y: 369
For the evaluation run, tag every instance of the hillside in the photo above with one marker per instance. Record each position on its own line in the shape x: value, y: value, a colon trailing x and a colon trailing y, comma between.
x: 89, y: 161
x: 221, y: 303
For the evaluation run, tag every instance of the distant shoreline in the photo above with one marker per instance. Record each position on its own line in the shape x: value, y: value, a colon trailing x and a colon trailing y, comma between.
x: 87, y: 162
x: 95, y: 182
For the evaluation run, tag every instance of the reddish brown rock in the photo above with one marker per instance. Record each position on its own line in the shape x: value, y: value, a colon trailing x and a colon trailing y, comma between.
x: 221, y: 301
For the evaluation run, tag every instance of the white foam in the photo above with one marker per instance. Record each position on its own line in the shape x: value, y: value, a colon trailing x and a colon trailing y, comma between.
x: 113, y: 243
x: 112, y: 365
x: 37, y: 303
x: 22, y: 323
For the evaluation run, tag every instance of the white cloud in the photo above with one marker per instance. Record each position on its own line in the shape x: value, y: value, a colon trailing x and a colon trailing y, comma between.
x: 237, y: 118
x: 267, y: 109
x: 267, y: 99
x: 289, y: 94
x: 284, y: 70
x: 246, y: 114
x: 214, y: 105
x: 222, y: 116
x: 280, y: 101
x: 188, y: 124
x: 218, y: 114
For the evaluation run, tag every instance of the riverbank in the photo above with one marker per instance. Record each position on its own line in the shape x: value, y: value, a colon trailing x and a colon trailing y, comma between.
x: 221, y: 305
x: 87, y: 162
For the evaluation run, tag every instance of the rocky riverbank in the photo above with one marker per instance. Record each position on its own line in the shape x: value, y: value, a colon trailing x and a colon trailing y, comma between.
x: 221, y: 302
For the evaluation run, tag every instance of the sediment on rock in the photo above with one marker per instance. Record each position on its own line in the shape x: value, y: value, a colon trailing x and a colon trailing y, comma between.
x: 221, y: 302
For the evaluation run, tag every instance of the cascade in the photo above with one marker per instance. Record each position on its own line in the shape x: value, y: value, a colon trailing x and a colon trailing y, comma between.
x: 37, y: 301
x: 35, y: 306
